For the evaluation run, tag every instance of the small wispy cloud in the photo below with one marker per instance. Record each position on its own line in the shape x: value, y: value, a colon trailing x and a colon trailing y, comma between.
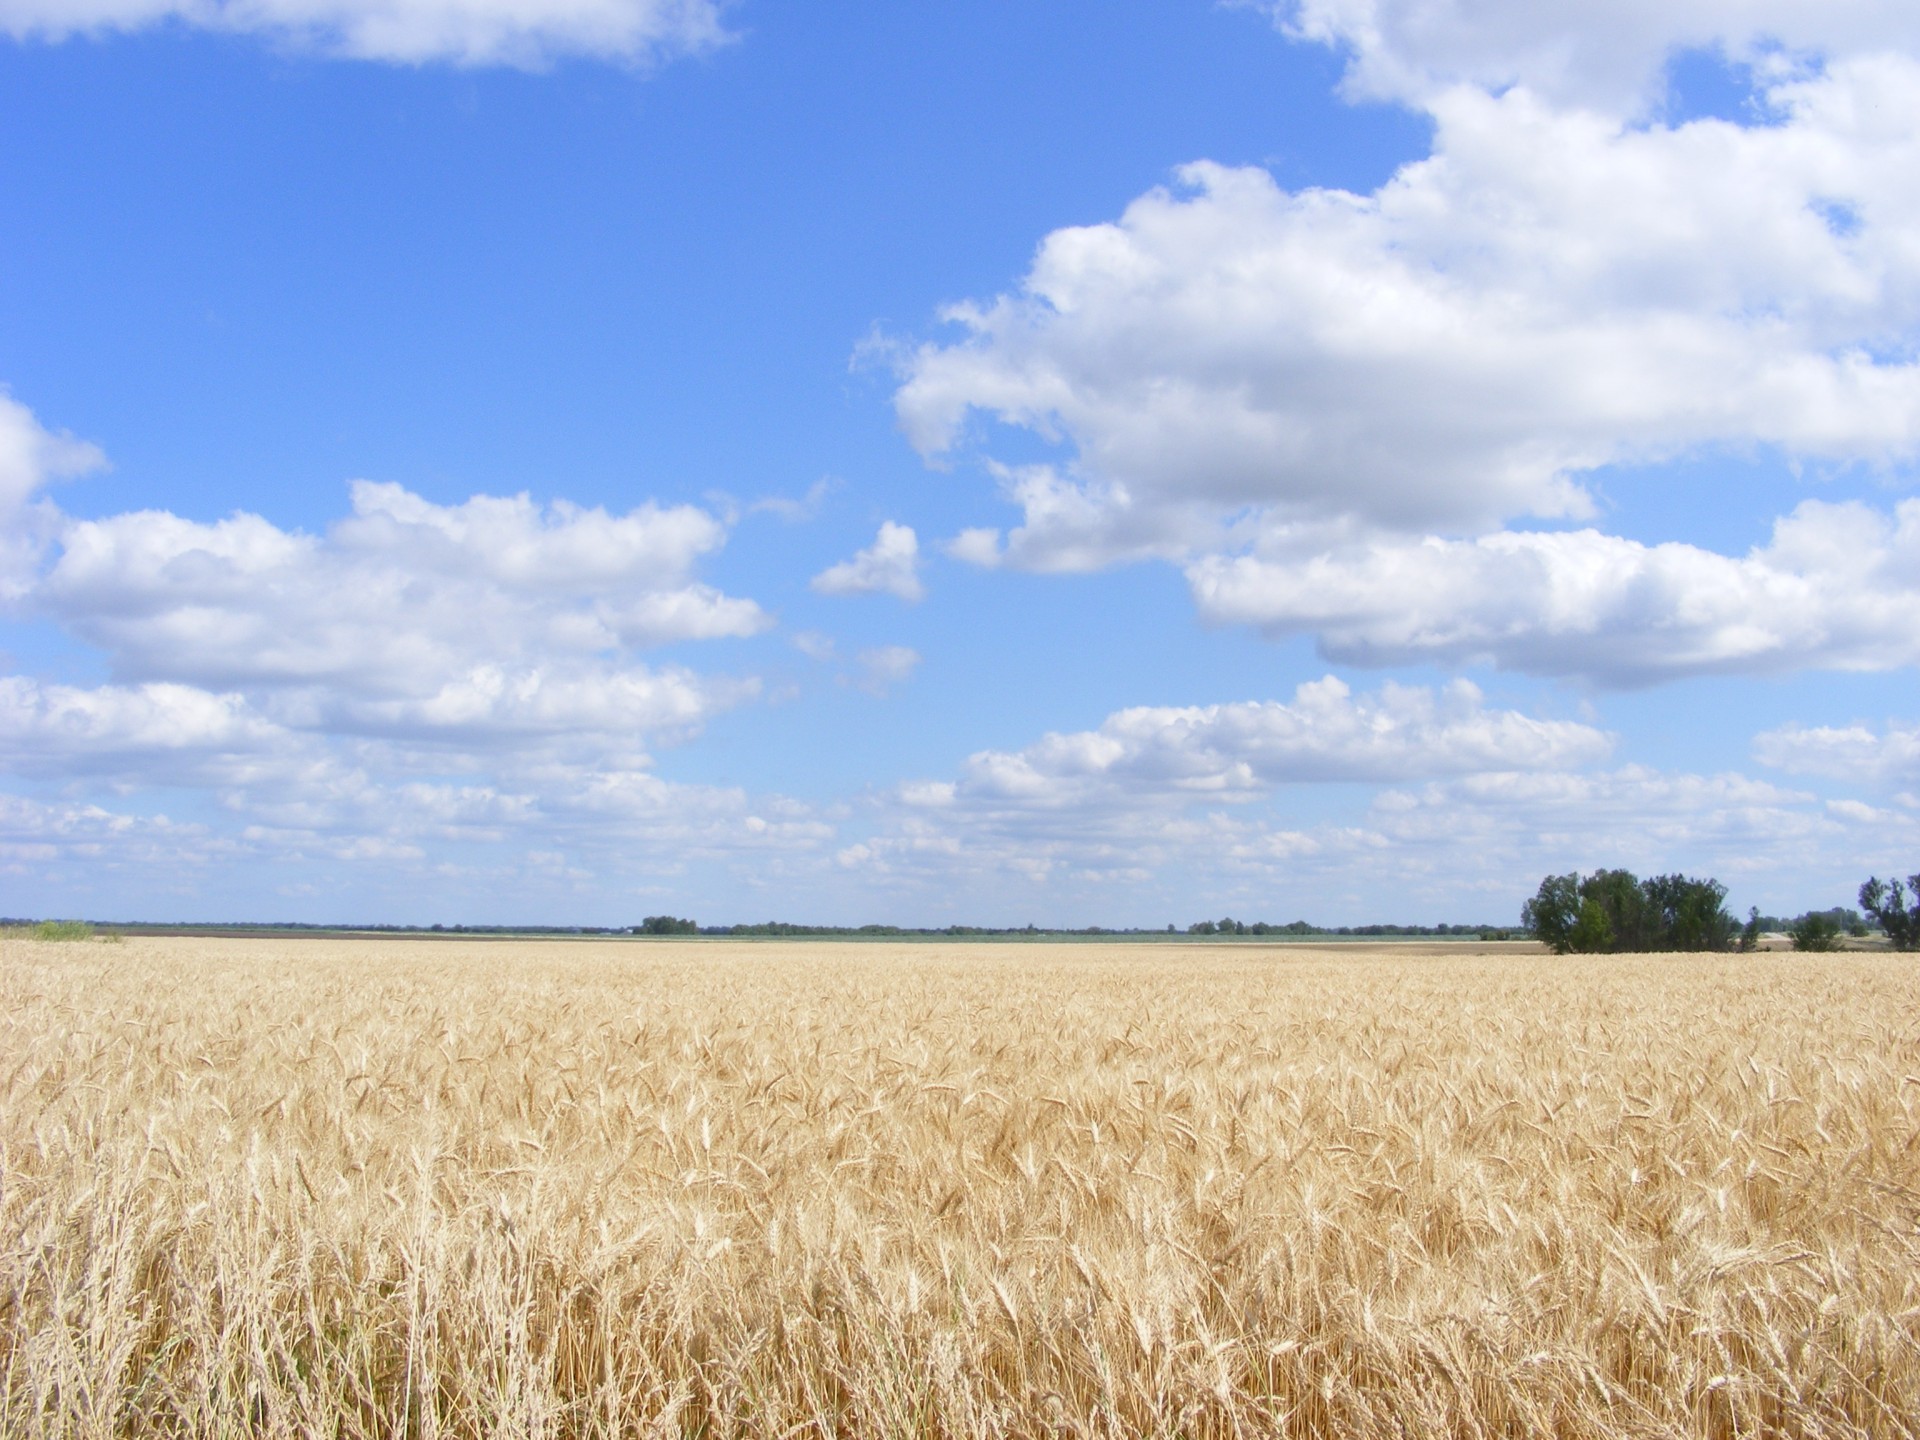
x: 891, y: 566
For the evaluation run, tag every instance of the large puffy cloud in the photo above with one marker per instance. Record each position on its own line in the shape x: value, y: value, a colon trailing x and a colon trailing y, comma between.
x: 417, y: 677
x: 1547, y: 293
x: 1837, y: 587
x: 1237, y: 373
x: 495, y: 613
x: 527, y: 33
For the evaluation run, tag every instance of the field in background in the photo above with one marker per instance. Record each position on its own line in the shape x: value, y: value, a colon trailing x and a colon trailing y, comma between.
x: 401, y: 1188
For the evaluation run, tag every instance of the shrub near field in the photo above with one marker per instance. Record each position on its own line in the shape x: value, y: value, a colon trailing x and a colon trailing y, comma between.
x: 386, y: 1189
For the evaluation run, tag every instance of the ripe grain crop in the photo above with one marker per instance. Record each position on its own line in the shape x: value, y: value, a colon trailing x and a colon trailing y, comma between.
x: 360, y: 1189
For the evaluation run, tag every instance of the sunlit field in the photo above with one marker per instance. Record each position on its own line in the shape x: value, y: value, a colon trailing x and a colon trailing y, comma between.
x: 418, y: 1188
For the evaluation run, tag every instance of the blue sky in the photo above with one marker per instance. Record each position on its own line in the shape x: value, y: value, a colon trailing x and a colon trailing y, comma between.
x: 566, y: 460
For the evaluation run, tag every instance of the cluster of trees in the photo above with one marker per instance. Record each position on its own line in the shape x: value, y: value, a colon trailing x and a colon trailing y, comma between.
x: 1614, y: 910
x: 665, y: 925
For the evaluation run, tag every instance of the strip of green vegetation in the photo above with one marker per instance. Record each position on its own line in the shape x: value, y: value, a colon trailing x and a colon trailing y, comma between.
x: 670, y: 927
x: 62, y: 930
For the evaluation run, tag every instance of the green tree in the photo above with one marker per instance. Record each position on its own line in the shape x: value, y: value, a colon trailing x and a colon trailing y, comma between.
x: 1688, y: 914
x: 1887, y: 903
x: 1631, y: 921
x: 1593, y: 931
x: 1549, y: 916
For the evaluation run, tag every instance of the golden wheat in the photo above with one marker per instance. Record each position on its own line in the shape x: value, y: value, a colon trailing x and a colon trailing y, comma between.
x: 448, y: 1189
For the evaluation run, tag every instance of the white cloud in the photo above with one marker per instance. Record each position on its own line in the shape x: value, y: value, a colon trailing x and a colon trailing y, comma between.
x: 420, y: 682
x: 884, y: 666
x: 796, y: 512
x: 41, y: 839
x: 976, y: 545
x: 68, y: 727
x: 1213, y: 753
x: 1227, y: 807
x: 1838, y: 587
x: 1166, y: 796
x: 1549, y: 292
x: 1848, y: 752
x: 31, y: 457
x: 1247, y: 380
x: 496, y: 612
x: 891, y: 565
x: 526, y: 33
x: 418, y: 676
x: 1508, y: 828
x: 1608, y: 56
x: 815, y: 645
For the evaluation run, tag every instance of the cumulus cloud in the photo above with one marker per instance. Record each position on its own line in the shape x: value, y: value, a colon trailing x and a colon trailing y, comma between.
x: 1150, y: 797
x: 1844, y: 752
x: 525, y: 33
x: 495, y: 612
x: 67, y: 728
x: 416, y: 676
x: 1239, y: 751
x: 1547, y: 293
x: 1233, y: 806
x: 1837, y: 587
x: 1387, y: 380
x: 891, y: 566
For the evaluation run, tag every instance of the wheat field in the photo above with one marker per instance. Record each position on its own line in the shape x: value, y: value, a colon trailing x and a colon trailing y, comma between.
x: 392, y: 1188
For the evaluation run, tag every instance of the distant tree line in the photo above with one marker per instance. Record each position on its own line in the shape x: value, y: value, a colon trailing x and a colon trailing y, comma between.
x: 1230, y: 926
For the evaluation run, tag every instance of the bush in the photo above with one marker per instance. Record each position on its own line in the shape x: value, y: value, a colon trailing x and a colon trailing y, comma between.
x: 63, y: 930
x: 1612, y: 910
x: 1816, y: 930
